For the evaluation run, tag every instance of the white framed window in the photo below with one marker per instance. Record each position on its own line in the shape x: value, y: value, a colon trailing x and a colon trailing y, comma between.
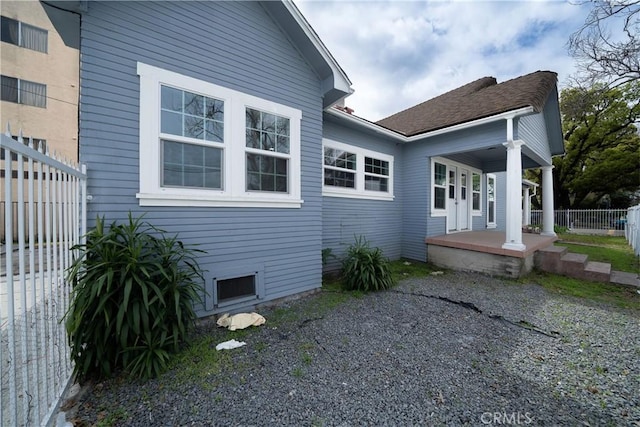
x: 491, y: 201
x: 476, y: 194
x: 206, y: 145
x: 439, y: 191
x: 23, y: 35
x: 350, y: 171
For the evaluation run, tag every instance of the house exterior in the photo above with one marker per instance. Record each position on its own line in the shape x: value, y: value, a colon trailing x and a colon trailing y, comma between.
x: 224, y: 122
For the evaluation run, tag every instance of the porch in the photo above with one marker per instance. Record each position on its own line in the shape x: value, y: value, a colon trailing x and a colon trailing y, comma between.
x: 483, y: 251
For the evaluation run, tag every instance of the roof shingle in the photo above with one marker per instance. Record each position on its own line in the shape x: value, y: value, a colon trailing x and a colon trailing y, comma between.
x: 478, y: 99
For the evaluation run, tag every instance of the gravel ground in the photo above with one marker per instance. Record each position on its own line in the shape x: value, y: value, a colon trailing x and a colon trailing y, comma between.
x: 455, y: 349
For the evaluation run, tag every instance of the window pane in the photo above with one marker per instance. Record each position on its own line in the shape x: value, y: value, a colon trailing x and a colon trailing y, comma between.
x: 9, y: 31
x: 193, y: 127
x: 476, y: 201
x: 34, y: 38
x: 171, y: 99
x: 492, y: 218
x: 439, y: 199
x: 376, y: 166
x: 282, y: 144
x: 190, y: 165
x: 253, y: 138
x: 171, y: 123
x: 375, y: 183
x: 476, y: 182
x: 253, y: 119
x: 282, y: 126
x: 339, y: 159
x: 192, y: 115
x: 267, y: 141
x: 9, y: 89
x: 268, y: 123
x: 439, y: 174
x: 267, y: 173
x: 336, y: 178
x: 33, y: 94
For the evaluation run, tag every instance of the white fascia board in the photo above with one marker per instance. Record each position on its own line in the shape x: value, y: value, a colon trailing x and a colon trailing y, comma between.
x: 398, y: 136
x: 340, y: 79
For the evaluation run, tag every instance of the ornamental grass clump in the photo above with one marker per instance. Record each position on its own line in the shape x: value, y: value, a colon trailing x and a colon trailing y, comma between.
x: 132, y: 302
x: 365, y: 268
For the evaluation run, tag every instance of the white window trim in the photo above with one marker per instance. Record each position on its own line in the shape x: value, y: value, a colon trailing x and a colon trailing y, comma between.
x: 493, y: 224
x: 234, y: 192
x: 448, y: 163
x: 359, y: 191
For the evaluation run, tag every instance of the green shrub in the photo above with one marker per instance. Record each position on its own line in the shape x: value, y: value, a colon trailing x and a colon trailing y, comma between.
x: 365, y: 268
x: 132, y: 302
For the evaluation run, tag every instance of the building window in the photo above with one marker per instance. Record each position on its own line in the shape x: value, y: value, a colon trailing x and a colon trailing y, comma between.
x: 267, y: 147
x: 475, y: 187
x: 24, y: 35
x: 195, y: 158
x: 350, y: 171
x: 376, y: 174
x: 339, y: 168
x: 23, y: 92
x: 439, y: 185
x: 491, y: 201
x: 187, y: 156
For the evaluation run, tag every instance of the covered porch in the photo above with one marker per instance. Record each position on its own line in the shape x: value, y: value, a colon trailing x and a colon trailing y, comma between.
x: 485, y: 252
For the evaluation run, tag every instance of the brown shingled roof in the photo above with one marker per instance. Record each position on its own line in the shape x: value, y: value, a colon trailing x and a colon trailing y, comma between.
x: 481, y: 98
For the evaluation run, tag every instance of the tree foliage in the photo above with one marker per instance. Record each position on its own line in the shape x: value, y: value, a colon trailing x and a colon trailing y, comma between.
x: 607, y: 46
x: 602, y: 145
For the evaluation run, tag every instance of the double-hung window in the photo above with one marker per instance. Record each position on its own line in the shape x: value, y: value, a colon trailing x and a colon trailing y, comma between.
x: 350, y: 171
x: 439, y: 186
x: 23, y: 92
x: 206, y: 145
x: 491, y: 201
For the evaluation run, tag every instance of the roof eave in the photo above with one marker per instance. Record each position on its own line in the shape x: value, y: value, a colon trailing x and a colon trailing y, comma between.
x: 335, y: 84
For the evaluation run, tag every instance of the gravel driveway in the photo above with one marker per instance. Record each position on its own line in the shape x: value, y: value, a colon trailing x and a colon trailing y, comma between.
x: 509, y: 354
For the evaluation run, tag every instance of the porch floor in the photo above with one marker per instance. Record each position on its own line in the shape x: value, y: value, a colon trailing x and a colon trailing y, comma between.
x: 491, y: 242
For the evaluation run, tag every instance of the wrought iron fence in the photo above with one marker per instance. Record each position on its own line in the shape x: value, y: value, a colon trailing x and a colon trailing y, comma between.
x: 586, y: 219
x: 44, y: 213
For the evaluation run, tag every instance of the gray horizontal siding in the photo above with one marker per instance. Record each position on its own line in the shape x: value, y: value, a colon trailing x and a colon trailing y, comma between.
x: 231, y: 44
x: 532, y: 130
x: 344, y: 219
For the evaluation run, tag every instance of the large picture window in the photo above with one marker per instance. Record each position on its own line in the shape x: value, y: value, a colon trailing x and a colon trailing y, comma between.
x: 187, y: 155
x: 350, y: 171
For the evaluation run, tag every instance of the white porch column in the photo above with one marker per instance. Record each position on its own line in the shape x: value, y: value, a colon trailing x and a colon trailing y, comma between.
x: 526, y: 214
x: 514, y: 195
x: 547, y: 201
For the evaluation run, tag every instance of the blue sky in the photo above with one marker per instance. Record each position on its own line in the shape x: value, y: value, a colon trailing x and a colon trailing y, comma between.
x: 400, y: 53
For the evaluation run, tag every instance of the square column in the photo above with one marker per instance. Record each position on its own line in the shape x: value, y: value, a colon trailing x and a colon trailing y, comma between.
x: 513, y: 230
x: 547, y: 201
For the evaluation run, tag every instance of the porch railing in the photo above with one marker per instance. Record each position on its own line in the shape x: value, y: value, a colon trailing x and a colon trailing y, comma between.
x: 586, y: 219
x: 44, y: 216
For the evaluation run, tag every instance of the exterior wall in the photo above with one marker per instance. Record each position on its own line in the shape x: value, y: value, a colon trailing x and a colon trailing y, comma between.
x: 416, y: 182
x: 379, y: 221
x: 231, y: 44
x: 58, y: 69
x: 532, y: 130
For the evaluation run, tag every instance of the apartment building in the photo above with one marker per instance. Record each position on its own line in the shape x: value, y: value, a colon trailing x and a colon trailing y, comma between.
x: 39, y: 67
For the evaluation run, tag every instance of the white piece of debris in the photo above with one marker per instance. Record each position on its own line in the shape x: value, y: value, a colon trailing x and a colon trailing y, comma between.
x: 437, y: 273
x: 230, y: 345
x: 240, y: 320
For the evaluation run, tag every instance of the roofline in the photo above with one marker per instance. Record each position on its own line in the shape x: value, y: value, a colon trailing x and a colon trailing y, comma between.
x: 402, y: 138
x: 341, y: 80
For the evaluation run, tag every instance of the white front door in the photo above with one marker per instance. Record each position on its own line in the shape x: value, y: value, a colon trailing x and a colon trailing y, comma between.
x: 463, y: 202
x: 452, y: 206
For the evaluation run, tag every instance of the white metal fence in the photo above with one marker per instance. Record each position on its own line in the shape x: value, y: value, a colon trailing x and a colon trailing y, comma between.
x: 586, y: 219
x: 632, y: 232
x: 49, y: 218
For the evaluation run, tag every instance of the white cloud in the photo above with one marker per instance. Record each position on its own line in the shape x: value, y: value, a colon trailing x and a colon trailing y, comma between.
x: 401, y: 53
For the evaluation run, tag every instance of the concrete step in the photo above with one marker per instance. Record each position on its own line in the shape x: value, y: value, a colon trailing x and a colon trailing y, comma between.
x: 573, y: 264
x: 548, y: 259
x: 597, y: 271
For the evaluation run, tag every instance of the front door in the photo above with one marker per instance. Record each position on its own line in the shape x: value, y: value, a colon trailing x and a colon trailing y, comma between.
x: 452, y: 206
x: 463, y: 204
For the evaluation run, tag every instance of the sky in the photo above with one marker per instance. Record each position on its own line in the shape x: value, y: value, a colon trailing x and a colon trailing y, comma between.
x: 400, y: 53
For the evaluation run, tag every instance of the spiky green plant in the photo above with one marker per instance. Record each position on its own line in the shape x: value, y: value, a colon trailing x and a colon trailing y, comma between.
x: 365, y: 268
